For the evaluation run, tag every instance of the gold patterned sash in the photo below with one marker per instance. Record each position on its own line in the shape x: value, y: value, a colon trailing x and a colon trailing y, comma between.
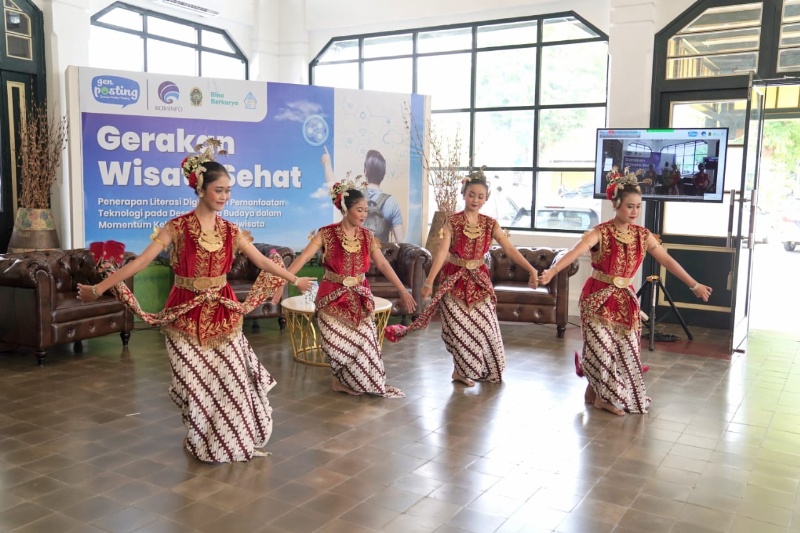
x: 200, y: 284
x: 469, y: 264
x: 347, y: 281
x: 617, y: 281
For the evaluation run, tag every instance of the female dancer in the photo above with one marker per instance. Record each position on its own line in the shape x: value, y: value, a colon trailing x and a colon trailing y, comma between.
x: 470, y: 329
x: 217, y: 380
x: 345, y: 305
x: 608, y: 304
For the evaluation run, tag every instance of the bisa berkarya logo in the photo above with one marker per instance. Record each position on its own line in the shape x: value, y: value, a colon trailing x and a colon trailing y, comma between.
x: 115, y: 90
x: 169, y: 94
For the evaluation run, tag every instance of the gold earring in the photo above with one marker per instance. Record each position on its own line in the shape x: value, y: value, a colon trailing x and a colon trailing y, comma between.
x: 201, y: 194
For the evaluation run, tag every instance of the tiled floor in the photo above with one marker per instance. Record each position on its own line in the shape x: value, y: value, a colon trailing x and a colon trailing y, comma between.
x: 92, y: 443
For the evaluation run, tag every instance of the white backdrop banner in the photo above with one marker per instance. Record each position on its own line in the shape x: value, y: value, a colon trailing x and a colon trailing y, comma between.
x: 136, y: 128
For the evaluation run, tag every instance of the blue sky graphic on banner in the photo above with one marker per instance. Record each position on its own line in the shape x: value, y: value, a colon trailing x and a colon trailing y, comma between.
x: 136, y: 129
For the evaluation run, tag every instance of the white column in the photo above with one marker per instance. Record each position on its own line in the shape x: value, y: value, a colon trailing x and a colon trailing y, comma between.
x: 280, y: 42
x: 66, y: 30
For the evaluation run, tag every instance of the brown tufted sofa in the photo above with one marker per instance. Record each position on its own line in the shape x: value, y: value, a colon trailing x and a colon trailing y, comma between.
x: 411, y: 263
x: 516, y: 302
x: 242, y: 275
x: 39, y: 304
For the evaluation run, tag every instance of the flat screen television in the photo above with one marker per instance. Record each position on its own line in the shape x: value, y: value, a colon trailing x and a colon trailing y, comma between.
x: 679, y: 164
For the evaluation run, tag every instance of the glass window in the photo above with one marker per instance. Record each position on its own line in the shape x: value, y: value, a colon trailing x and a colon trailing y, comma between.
x: 343, y: 75
x: 506, y: 78
x: 217, y: 41
x: 574, y: 73
x: 507, y: 34
x: 219, y: 66
x: 444, y: 40
x: 446, y: 78
x: 390, y: 45
x: 116, y: 50
x: 722, y: 41
x: 391, y: 75
x: 789, y: 46
x: 132, y: 38
x: 567, y: 136
x: 485, y: 89
x: 168, y: 58
x: 504, y: 138
x: 171, y: 30
x: 566, y: 29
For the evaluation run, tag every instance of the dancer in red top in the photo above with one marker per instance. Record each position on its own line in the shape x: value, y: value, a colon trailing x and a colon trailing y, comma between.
x: 608, y: 305
x: 466, y: 297
x: 345, y: 306
x: 217, y: 379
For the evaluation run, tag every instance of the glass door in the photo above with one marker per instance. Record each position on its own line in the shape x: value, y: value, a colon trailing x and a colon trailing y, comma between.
x: 741, y: 234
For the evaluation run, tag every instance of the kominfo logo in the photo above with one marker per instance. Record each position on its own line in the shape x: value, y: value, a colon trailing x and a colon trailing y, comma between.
x: 115, y: 90
x: 168, y: 92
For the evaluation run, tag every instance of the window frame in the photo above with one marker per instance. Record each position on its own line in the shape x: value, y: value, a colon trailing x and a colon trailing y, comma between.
x: 198, y: 47
x: 539, y: 44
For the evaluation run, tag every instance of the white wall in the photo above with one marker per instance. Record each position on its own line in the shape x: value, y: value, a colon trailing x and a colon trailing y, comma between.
x: 280, y: 37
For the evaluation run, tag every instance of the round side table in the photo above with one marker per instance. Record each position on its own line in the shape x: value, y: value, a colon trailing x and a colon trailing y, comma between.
x: 306, y: 347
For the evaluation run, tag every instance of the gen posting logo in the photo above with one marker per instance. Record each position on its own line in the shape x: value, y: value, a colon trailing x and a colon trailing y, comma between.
x: 169, y: 93
x: 115, y: 90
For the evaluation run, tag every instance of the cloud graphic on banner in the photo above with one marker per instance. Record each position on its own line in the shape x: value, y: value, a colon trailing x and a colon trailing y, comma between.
x: 299, y: 111
x: 168, y: 92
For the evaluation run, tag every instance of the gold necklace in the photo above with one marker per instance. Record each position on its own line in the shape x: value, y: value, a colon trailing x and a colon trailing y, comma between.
x: 350, y: 244
x: 471, y: 231
x: 624, y: 237
x: 210, y: 240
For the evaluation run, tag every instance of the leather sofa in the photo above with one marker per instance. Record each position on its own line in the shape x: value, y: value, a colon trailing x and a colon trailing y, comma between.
x: 40, y: 307
x: 411, y: 263
x: 516, y: 302
x: 242, y: 275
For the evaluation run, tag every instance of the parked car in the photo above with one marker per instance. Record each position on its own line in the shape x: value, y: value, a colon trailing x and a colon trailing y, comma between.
x: 788, y: 224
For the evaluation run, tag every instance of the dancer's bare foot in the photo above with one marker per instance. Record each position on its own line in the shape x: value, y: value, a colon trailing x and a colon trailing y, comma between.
x: 466, y: 381
x: 589, y: 396
x: 338, y: 387
x: 599, y: 403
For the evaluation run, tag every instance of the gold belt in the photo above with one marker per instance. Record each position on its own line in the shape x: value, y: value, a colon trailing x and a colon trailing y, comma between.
x: 469, y: 264
x: 200, y: 284
x: 347, y: 281
x: 617, y: 281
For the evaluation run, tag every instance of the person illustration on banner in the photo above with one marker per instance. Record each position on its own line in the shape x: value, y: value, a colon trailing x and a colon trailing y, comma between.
x: 217, y: 380
x: 385, y: 217
x: 344, y: 303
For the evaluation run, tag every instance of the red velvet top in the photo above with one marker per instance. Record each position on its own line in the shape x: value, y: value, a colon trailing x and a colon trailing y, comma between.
x: 472, y: 286
x: 211, y: 321
x: 611, y: 305
x: 349, y: 304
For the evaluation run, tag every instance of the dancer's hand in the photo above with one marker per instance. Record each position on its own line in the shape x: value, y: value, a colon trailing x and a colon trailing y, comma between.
x: 304, y: 284
x: 547, y: 276
x: 276, y: 298
x: 426, y: 292
x: 702, y: 291
x: 533, y: 280
x: 87, y: 293
x: 408, y: 301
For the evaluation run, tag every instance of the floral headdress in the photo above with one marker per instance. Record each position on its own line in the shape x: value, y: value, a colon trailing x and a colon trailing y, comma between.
x: 192, y: 165
x: 616, y: 185
x: 339, y: 190
x: 475, y: 177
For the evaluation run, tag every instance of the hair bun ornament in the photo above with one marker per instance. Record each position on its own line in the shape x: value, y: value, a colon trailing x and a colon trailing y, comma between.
x: 192, y: 165
x: 339, y: 190
x: 610, y: 189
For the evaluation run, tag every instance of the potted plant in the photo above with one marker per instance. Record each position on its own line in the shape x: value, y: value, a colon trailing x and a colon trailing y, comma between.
x: 441, y: 162
x: 42, y: 143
